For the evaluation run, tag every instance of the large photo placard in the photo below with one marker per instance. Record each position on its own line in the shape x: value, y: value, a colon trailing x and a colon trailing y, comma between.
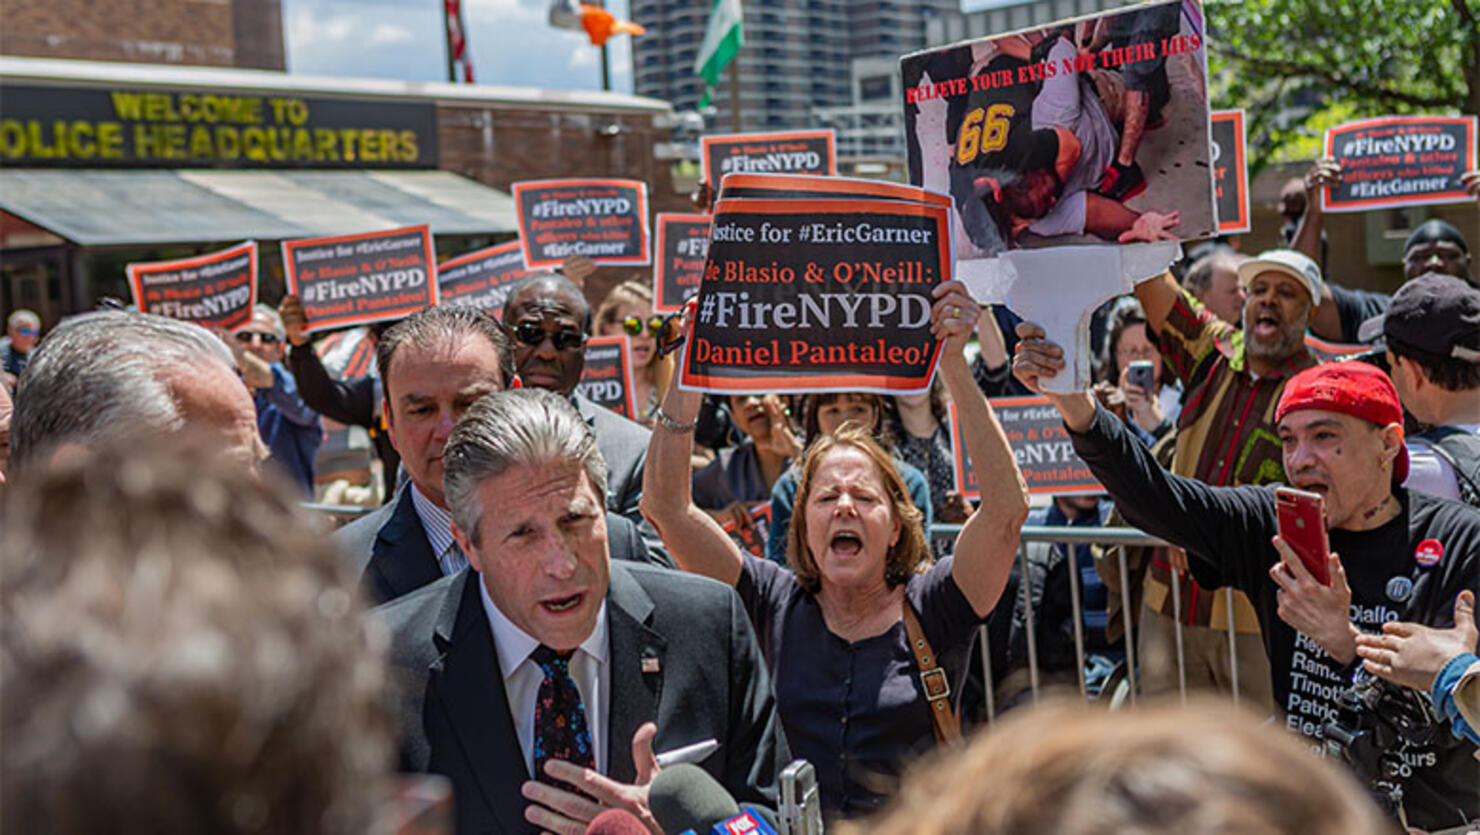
x: 483, y: 279
x: 1086, y: 131
x: 605, y: 220
x: 783, y: 152
x: 1400, y: 161
x: 216, y: 290
x: 1042, y: 449
x: 606, y: 379
x: 358, y: 279
x: 818, y: 295
x: 1230, y: 172
x: 683, y: 244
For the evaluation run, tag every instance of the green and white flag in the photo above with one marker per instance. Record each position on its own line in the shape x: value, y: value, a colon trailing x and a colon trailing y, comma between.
x: 723, y: 37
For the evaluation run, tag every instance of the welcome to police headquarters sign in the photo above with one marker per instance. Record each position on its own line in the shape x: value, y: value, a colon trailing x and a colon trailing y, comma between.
x: 120, y: 127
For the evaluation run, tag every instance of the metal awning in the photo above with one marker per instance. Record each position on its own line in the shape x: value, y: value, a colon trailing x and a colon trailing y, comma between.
x: 117, y: 207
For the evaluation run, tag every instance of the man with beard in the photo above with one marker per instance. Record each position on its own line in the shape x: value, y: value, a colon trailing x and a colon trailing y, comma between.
x: 1225, y: 437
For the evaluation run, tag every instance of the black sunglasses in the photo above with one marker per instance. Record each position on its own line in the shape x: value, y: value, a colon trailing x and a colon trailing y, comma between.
x: 530, y: 333
x: 245, y: 337
x: 633, y: 325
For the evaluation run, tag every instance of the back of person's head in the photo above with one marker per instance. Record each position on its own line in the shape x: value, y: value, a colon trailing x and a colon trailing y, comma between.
x: 1069, y: 769
x: 444, y: 324
x: 182, y: 652
x: 909, y: 552
x: 1434, y: 320
x: 106, y: 375
x: 1200, y: 275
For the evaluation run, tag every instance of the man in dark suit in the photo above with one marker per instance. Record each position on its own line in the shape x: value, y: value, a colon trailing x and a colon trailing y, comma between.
x: 547, y: 660
x: 433, y: 365
x: 550, y: 320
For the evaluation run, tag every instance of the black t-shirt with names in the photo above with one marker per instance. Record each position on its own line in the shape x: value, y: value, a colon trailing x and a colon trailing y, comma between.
x: 1410, y: 569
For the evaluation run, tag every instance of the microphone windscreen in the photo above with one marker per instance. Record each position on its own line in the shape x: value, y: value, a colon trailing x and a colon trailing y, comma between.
x: 684, y: 796
x: 616, y: 822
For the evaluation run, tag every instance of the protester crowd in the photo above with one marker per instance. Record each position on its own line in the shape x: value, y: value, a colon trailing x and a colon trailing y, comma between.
x: 561, y: 594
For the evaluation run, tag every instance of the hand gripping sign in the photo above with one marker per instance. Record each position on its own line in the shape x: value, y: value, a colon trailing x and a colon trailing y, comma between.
x: 216, y: 290
x: 1400, y: 161
x: 359, y: 279
x: 482, y: 279
x: 605, y: 220
x: 818, y: 295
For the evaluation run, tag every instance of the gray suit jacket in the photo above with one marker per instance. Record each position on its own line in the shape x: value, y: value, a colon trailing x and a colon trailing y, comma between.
x: 391, y: 555
x: 682, y: 655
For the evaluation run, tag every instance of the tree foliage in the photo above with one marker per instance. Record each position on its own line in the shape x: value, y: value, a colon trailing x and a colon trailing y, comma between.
x: 1300, y: 66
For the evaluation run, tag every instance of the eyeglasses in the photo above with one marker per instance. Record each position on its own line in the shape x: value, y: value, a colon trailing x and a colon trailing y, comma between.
x: 530, y: 333
x: 245, y: 337
x: 28, y: 331
x: 633, y: 325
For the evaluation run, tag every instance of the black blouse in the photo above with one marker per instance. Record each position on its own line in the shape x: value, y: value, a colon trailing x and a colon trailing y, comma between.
x: 856, y: 711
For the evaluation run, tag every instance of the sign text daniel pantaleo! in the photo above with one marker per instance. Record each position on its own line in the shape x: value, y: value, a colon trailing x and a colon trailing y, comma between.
x: 818, y: 295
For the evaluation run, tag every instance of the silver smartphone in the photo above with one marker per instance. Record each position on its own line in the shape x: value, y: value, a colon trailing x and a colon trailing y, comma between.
x: 1142, y: 373
x: 801, y: 806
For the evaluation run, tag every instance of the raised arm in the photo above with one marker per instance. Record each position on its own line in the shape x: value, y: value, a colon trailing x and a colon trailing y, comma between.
x: 694, y: 540
x: 988, y: 541
x: 1327, y: 322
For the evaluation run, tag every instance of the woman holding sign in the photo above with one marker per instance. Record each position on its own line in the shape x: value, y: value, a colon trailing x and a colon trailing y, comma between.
x: 838, y: 629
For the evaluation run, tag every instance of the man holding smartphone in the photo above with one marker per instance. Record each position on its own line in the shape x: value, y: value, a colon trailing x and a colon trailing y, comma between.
x: 1402, y: 555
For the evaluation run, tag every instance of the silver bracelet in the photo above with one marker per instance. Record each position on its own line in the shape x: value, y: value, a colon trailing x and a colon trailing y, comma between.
x: 669, y: 423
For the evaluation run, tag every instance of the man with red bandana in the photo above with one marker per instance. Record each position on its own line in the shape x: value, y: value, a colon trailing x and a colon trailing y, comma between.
x: 1395, y: 554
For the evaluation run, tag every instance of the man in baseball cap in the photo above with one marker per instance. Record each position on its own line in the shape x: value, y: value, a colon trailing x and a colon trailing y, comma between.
x: 1283, y: 288
x: 1432, y: 333
x: 1394, y: 553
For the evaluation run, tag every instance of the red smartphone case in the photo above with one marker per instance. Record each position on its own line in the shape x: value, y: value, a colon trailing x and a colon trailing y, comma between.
x: 1302, y: 525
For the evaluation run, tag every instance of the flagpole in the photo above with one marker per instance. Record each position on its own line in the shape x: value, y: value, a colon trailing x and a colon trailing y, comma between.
x: 606, y: 69
x: 735, y: 94
x: 447, y: 42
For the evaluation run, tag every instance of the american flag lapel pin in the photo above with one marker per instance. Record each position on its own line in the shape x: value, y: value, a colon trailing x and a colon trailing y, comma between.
x: 650, y: 663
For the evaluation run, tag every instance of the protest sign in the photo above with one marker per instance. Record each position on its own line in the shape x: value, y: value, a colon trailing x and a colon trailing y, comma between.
x: 216, y: 290
x: 605, y: 220
x: 607, y: 377
x: 1400, y: 161
x: 482, y: 279
x: 818, y: 295
x: 803, y: 186
x: 1022, y: 140
x: 752, y: 537
x: 1042, y: 449
x: 683, y: 243
x: 358, y: 279
x: 783, y: 152
x: 1230, y: 171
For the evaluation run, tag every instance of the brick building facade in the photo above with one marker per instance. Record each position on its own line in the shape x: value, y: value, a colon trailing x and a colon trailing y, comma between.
x: 216, y: 33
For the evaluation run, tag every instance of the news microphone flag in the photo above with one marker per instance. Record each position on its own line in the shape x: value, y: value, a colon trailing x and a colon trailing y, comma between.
x: 748, y: 822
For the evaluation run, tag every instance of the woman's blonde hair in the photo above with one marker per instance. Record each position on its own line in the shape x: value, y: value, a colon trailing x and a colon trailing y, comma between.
x: 1069, y: 769
x: 630, y: 291
x: 906, y: 555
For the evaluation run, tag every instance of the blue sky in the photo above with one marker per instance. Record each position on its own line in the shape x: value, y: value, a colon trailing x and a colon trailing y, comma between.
x: 510, y: 40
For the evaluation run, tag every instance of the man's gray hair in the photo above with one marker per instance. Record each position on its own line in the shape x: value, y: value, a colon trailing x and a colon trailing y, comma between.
x: 107, y: 375
x: 526, y: 427
x: 273, y: 318
x: 23, y: 317
x: 1200, y: 275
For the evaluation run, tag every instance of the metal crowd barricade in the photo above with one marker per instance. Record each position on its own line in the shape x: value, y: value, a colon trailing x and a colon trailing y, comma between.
x: 1071, y: 536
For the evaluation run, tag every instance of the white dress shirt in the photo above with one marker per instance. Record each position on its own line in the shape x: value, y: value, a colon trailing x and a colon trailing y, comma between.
x: 522, y: 678
x: 437, y: 524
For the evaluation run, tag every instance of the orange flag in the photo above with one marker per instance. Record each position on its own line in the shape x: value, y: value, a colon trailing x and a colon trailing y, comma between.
x: 601, y: 25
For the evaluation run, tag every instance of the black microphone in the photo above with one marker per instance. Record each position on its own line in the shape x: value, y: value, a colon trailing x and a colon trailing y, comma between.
x: 684, y: 796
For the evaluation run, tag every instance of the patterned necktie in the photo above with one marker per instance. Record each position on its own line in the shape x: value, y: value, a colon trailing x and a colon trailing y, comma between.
x: 560, y: 730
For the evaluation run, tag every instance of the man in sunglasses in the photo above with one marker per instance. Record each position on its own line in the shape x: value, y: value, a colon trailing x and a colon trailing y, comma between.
x: 549, y: 320
x: 22, y: 329
x: 290, y: 428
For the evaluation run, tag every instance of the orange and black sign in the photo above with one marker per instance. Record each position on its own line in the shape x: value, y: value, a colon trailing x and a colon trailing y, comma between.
x: 1400, y: 161
x: 1230, y: 171
x: 795, y: 186
x: 484, y: 278
x: 604, y: 220
x: 683, y: 244
x: 1042, y: 448
x: 818, y: 295
x: 216, y: 290
x: 783, y: 152
x: 607, y: 378
x: 358, y: 279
